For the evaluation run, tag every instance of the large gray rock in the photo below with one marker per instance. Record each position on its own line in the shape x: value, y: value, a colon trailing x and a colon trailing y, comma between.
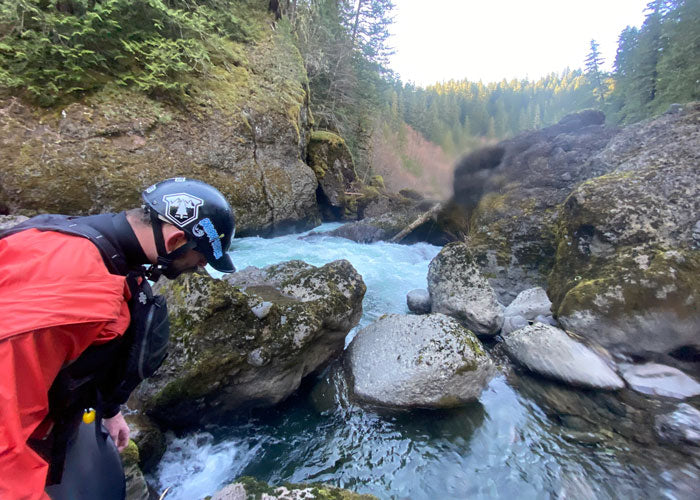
x: 549, y: 351
x: 248, y: 342
x: 248, y: 488
x: 627, y: 261
x: 659, y: 380
x: 418, y: 301
x: 512, y: 192
x: 458, y: 289
x: 417, y: 361
x: 682, y: 425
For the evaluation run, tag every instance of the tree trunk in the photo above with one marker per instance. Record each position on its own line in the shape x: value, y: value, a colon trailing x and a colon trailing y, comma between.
x: 357, y: 23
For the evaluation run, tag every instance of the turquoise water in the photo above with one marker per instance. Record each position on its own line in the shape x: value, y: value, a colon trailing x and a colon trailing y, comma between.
x: 501, y: 447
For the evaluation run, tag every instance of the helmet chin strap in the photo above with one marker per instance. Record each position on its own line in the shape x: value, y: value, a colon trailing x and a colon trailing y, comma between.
x: 164, y: 263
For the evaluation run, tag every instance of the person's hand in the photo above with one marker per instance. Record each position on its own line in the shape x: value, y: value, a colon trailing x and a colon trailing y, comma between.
x: 118, y: 430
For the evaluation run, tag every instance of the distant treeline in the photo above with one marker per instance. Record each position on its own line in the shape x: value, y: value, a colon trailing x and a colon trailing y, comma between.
x: 655, y: 66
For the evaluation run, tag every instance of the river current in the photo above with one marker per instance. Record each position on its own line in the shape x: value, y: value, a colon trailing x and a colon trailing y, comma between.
x: 502, y: 446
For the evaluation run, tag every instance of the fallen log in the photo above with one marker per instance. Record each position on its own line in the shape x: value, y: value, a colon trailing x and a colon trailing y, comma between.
x: 420, y: 220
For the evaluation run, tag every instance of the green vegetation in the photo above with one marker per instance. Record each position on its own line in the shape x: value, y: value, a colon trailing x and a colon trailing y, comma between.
x: 52, y: 49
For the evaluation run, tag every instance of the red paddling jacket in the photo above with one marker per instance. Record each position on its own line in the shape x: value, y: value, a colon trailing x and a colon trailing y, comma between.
x: 56, y: 299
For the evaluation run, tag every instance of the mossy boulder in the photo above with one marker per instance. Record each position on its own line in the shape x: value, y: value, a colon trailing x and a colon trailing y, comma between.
x: 243, y: 129
x: 248, y: 342
x: 511, y: 193
x: 136, y: 486
x: 148, y: 438
x: 628, y: 260
x: 407, y: 361
x: 331, y: 161
x: 458, y: 289
x: 249, y: 488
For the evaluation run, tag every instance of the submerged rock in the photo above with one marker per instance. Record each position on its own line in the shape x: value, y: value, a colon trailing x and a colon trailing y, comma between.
x: 418, y: 301
x: 659, y: 380
x: 683, y: 425
x: 458, y: 289
x: 226, y: 356
x: 549, y: 351
x: 426, y: 361
x: 247, y: 488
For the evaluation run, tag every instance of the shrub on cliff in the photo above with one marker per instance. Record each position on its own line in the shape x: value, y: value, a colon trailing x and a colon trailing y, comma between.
x: 54, y: 48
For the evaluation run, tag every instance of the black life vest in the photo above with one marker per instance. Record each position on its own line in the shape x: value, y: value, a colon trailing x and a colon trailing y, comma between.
x: 103, y: 376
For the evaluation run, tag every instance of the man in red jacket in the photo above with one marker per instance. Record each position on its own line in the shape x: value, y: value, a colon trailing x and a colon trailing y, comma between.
x: 60, y: 294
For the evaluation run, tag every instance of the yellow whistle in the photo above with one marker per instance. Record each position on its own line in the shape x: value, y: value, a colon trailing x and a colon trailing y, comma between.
x: 89, y: 416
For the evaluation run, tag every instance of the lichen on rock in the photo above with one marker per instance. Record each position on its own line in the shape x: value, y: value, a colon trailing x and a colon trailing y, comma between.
x: 224, y: 357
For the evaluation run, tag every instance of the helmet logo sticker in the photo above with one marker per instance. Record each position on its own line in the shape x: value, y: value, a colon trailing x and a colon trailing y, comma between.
x: 205, y: 226
x: 182, y: 208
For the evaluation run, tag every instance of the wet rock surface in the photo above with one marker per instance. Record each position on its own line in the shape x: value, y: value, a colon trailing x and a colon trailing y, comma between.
x: 458, y: 289
x: 659, y: 380
x: 680, y: 426
x: 247, y: 488
x: 426, y: 361
x: 224, y: 357
x: 549, y: 351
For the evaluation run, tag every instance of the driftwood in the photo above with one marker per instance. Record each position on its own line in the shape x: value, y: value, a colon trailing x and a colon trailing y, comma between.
x: 420, y: 220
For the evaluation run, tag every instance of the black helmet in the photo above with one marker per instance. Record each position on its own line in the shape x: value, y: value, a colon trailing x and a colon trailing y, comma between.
x: 201, y: 211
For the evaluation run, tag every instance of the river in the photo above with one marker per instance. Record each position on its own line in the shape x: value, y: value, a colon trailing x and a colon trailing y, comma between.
x: 503, y: 446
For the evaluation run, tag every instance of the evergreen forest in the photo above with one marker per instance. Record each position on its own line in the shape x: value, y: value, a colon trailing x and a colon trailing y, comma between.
x: 54, y: 51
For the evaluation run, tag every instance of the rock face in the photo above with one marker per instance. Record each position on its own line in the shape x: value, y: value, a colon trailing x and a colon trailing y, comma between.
x: 549, y: 351
x: 330, y: 158
x: 235, y: 131
x: 417, y: 361
x: 683, y: 425
x: 627, y: 261
x: 659, y: 380
x: 249, y: 341
x: 458, y: 289
x: 418, y: 301
x: 513, y: 191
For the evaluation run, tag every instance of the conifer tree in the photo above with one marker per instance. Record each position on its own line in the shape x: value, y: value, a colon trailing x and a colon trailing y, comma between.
x: 594, y: 62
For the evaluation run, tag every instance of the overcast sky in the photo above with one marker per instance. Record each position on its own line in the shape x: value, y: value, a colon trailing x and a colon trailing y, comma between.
x: 489, y: 40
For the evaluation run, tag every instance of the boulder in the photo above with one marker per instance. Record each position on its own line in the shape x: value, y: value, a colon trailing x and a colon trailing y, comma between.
x: 331, y: 161
x: 550, y: 352
x: 233, y: 130
x: 458, y: 289
x: 627, y: 261
x: 428, y: 361
x: 659, y: 380
x: 529, y: 304
x: 512, y: 192
x: 230, y: 350
x: 680, y: 426
x: 418, y: 301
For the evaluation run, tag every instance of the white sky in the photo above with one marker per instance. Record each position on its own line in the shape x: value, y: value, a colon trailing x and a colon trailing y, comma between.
x: 489, y: 40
